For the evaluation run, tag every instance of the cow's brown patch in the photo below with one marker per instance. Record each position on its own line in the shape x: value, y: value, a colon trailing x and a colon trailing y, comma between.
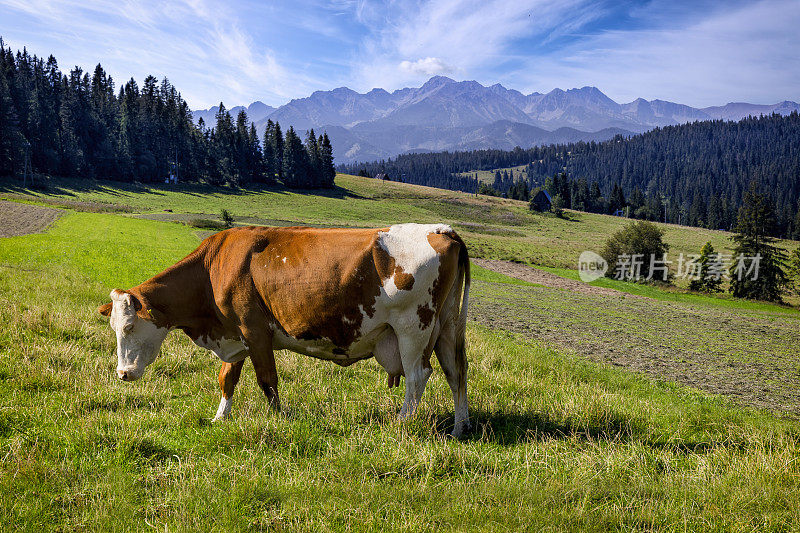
x: 387, y: 268
x: 447, y: 247
x: 402, y: 280
x: 330, y: 280
x: 425, y: 315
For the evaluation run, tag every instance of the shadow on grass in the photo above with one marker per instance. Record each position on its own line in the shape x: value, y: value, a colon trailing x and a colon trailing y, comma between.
x: 506, y: 428
x: 509, y: 429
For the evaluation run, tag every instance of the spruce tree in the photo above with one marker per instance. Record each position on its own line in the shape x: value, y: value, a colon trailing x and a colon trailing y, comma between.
x: 314, y: 164
x: 753, y: 246
x: 796, y: 229
x: 596, y: 199
x: 708, y: 271
x: 794, y: 271
x: 326, y: 159
x: 12, y: 146
x: 295, y: 162
x: 278, y: 148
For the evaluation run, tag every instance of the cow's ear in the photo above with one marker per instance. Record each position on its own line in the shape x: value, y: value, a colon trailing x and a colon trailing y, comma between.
x: 105, y: 310
x: 152, y: 314
x: 137, y: 305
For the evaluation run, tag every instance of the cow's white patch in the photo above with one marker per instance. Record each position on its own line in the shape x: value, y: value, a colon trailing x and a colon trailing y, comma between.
x: 408, y: 243
x: 138, y: 340
x: 224, y: 409
x: 229, y: 350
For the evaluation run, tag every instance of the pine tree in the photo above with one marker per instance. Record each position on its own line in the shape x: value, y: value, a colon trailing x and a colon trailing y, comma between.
x: 794, y: 271
x: 278, y: 149
x: 754, y: 246
x: 796, y: 230
x: 12, y: 143
x: 270, y: 158
x: 709, y: 271
x: 596, y: 199
x: 617, y: 201
x: 295, y: 162
x: 314, y: 163
x: 326, y: 159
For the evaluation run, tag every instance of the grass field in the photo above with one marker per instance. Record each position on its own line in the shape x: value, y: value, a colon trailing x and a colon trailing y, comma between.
x: 496, y: 228
x: 561, y: 442
x: 487, y: 176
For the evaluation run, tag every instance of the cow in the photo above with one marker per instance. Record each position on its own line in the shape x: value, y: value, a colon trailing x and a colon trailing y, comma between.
x: 341, y: 295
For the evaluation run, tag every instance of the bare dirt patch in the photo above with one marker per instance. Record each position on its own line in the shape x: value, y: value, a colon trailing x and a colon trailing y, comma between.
x: 21, y: 219
x: 748, y: 356
x: 542, y: 277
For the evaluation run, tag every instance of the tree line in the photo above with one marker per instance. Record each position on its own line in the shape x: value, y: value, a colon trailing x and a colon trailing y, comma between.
x: 79, y: 125
x: 758, y: 268
x: 694, y: 174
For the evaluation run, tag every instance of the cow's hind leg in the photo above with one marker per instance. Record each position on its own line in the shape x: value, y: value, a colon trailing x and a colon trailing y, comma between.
x: 228, y: 378
x: 417, y: 370
x: 454, y: 366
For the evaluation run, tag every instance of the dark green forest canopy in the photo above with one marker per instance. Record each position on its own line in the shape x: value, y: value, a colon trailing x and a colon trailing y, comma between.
x: 693, y: 173
x: 77, y: 125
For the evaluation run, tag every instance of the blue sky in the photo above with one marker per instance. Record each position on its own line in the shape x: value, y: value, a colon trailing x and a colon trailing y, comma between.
x: 694, y: 52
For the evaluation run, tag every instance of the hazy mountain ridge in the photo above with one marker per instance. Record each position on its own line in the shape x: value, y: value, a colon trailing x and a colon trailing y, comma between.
x: 256, y: 111
x: 444, y: 114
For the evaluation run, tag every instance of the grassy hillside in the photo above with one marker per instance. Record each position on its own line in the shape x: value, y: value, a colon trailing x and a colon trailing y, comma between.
x: 560, y: 443
x: 495, y: 228
x: 487, y: 176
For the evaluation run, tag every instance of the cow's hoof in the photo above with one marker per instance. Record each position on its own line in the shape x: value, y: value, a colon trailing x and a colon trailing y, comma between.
x: 461, y: 429
x: 219, y: 418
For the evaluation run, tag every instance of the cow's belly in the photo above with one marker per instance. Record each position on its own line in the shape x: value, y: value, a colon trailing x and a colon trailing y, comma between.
x: 229, y: 350
x: 362, y: 347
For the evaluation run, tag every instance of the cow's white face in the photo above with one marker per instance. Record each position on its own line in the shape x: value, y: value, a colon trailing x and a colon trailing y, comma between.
x: 138, y: 339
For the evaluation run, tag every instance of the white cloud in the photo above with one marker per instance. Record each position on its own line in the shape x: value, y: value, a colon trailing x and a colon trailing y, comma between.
x: 429, y: 66
x: 745, y: 54
x: 200, y: 45
x: 465, y: 35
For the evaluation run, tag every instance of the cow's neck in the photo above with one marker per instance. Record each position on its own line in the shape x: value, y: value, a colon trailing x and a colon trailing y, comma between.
x: 181, y: 295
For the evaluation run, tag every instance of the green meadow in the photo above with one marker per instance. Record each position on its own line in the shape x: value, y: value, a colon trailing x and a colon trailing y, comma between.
x: 560, y: 441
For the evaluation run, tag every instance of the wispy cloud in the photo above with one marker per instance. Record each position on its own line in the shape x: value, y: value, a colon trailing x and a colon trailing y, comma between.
x: 466, y: 35
x: 744, y: 54
x: 693, y: 51
x: 428, y: 66
x: 199, y: 45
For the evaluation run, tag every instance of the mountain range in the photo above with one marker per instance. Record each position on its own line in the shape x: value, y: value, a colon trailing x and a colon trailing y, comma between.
x: 444, y: 114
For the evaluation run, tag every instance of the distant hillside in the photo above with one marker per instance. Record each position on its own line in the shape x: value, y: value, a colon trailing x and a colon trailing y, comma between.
x: 691, y: 173
x: 444, y: 114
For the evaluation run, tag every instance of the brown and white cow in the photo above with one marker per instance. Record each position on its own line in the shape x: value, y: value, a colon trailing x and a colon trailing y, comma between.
x: 337, y: 294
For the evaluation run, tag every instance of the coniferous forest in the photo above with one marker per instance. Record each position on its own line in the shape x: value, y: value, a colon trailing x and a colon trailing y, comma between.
x: 694, y: 174
x: 79, y: 125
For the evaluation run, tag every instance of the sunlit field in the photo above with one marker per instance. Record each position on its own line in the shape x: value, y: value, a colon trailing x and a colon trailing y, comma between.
x: 559, y: 441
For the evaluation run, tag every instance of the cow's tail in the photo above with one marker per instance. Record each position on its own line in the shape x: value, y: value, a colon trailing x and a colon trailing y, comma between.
x: 461, y: 328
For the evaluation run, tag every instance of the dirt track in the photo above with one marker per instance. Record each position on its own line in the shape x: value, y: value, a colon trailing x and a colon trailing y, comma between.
x: 22, y: 219
x: 542, y: 277
x: 749, y: 356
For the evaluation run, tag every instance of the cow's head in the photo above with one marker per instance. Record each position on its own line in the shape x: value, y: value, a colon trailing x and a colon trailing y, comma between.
x: 138, y: 337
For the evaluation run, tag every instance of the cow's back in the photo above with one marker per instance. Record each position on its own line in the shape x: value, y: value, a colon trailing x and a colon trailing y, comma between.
x: 335, y: 285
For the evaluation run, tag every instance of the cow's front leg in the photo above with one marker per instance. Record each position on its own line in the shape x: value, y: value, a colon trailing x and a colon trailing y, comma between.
x: 263, y: 358
x: 228, y: 378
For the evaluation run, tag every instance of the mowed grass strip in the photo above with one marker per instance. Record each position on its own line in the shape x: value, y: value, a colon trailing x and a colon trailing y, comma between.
x: 559, y: 443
